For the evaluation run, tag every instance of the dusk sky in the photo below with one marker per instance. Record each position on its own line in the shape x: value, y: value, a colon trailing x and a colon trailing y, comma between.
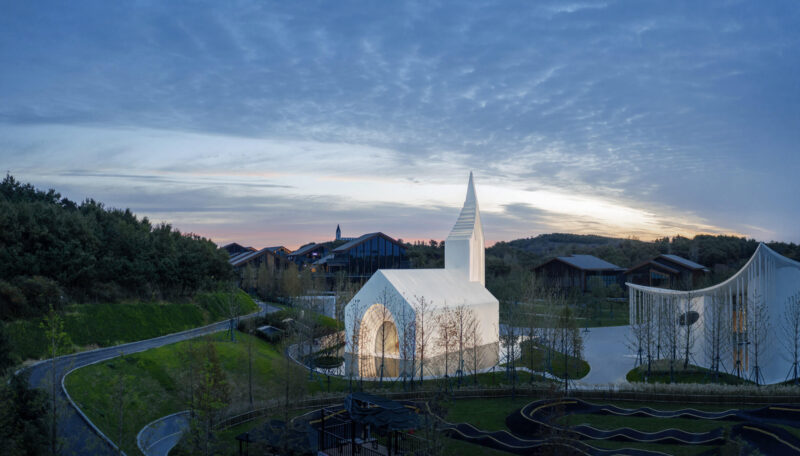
x: 269, y: 123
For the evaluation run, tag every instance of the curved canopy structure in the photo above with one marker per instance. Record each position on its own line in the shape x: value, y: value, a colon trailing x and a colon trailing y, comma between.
x: 740, y: 325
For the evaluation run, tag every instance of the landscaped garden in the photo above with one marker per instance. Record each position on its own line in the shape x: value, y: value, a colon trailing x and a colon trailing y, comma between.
x: 155, y: 382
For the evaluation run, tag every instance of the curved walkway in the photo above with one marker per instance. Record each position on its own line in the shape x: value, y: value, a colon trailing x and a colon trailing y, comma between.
x: 159, y: 436
x: 77, y: 433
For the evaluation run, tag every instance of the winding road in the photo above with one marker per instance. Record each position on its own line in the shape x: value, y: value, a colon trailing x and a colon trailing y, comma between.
x: 77, y: 433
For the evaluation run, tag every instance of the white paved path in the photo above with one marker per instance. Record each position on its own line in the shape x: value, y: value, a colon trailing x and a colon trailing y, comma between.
x: 608, y: 356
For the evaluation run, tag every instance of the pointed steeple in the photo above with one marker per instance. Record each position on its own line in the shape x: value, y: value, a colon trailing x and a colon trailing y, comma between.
x: 338, y: 232
x: 464, y: 248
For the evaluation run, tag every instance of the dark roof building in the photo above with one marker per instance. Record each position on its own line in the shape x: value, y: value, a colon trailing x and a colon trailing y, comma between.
x: 308, y: 254
x: 234, y: 249
x: 361, y: 257
x: 667, y: 271
x: 577, y: 271
x: 280, y: 250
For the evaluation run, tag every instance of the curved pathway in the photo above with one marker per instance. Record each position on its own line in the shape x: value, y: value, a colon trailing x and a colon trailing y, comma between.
x: 79, y: 436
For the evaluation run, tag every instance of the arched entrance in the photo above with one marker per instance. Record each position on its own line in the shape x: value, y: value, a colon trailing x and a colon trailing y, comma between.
x: 386, y: 340
x: 379, y: 343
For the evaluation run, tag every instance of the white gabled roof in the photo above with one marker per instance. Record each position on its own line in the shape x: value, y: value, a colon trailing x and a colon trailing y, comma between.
x: 469, y: 220
x: 438, y: 286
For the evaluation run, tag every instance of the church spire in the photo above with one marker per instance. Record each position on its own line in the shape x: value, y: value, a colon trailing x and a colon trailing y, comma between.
x: 464, y: 248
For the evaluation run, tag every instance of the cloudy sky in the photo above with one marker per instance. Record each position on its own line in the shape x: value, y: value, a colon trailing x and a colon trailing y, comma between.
x: 270, y: 122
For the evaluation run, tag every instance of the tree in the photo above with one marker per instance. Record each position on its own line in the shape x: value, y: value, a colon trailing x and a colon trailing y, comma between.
x: 475, y: 341
x: 791, y: 333
x: 408, y: 325
x: 290, y: 282
x: 234, y: 310
x: 687, y: 321
x: 569, y: 340
x: 352, y: 344
x: 510, y: 339
x: 123, y: 399
x: 758, y: 328
x: 249, y: 338
x: 530, y: 319
x: 424, y: 326
x: 6, y: 362
x: 671, y: 327
x: 211, y: 394
x: 386, y: 299
x: 23, y: 418
x: 716, y: 329
x: 447, y: 336
x: 58, y: 343
x: 265, y: 281
x: 463, y: 321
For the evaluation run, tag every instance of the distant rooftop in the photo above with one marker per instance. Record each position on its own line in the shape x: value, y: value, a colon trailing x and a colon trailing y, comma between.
x: 305, y: 249
x: 359, y: 240
x: 588, y: 262
x: 683, y: 261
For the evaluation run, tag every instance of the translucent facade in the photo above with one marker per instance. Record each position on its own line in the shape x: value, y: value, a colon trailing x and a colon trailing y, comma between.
x: 387, y: 332
x: 739, y: 326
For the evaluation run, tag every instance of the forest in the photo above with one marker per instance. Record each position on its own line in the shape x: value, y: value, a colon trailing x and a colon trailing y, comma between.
x: 54, y: 251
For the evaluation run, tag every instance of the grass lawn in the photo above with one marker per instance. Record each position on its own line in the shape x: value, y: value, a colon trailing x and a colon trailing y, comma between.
x: 588, y: 313
x: 536, y: 357
x: 155, y: 387
x: 485, y: 414
x: 106, y: 324
x: 693, y: 374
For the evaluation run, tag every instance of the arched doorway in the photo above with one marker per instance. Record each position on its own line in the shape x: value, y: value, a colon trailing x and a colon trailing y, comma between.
x: 379, y: 343
x: 386, y: 340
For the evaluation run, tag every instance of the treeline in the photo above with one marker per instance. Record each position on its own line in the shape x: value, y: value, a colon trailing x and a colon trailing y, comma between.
x: 508, y: 264
x: 53, y: 250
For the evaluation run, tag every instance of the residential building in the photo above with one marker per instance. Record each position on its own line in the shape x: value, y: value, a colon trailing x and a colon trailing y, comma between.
x: 667, y: 271
x: 578, y: 272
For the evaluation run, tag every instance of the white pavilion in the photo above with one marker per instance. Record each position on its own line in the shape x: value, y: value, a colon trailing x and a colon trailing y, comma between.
x: 740, y: 326
x: 383, y: 314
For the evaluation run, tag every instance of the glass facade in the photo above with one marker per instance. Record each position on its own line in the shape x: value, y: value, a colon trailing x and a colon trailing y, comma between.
x: 373, y: 254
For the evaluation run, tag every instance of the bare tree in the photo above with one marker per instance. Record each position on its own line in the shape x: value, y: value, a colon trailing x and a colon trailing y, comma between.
x: 510, y: 339
x: 637, y: 335
x: 568, y: 340
x: 464, y: 321
x: 671, y: 326
x: 716, y: 329
x: 386, y: 299
x: 408, y: 325
x: 352, y: 344
x: 687, y: 321
x: 791, y: 333
x: 447, y: 335
x: 474, y: 341
x: 58, y: 342
x: 424, y: 326
x: 530, y: 291
x: 758, y: 327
